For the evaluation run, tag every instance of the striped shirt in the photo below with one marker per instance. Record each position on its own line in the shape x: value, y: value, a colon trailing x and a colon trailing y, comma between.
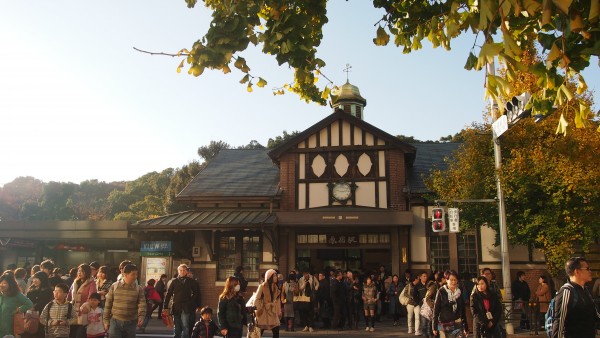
x: 124, y: 302
x: 58, y: 312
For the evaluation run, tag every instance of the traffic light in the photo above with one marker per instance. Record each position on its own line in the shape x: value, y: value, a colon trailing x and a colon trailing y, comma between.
x: 438, y: 223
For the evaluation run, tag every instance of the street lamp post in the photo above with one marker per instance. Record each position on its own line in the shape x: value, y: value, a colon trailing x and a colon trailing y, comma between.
x: 501, y: 213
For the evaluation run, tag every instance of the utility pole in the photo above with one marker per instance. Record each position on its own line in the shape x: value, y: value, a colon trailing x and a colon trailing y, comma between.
x: 501, y: 212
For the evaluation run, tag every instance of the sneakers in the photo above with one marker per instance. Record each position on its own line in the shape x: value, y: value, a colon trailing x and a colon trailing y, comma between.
x: 372, y: 329
x: 367, y: 328
x: 305, y: 329
x: 310, y: 329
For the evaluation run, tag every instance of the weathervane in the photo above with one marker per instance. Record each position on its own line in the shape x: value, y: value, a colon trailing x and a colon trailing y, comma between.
x: 347, y: 70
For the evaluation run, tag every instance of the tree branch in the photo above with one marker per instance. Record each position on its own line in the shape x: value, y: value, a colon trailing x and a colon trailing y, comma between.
x: 160, y: 53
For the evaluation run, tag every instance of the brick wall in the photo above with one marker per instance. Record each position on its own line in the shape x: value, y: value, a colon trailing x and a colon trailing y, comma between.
x: 397, y: 178
x: 287, y: 181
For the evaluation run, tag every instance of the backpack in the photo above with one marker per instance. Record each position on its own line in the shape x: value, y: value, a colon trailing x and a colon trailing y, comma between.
x: 550, y: 313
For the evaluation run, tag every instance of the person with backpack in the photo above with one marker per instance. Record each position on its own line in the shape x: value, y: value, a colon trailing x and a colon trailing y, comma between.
x: 59, y: 315
x: 572, y: 313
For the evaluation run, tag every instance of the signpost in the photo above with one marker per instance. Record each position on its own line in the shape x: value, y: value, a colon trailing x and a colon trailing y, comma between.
x: 453, y: 220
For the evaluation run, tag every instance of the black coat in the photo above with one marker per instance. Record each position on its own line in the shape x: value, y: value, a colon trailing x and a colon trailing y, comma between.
x: 205, y: 330
x: 338, y: 292
x: 185, y: 293
x: 480, y: 320
x: 443, y: 311
x: 520, y: 290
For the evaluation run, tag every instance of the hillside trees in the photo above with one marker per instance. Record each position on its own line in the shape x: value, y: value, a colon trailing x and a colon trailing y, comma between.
x: 291, y: 31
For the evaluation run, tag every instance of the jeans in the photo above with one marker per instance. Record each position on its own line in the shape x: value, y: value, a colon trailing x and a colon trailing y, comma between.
x: 414, y: 312
x: 122, y: 328
x: 182, y: 325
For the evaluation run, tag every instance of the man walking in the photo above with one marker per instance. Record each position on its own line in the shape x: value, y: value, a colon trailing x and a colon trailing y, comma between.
x: 575, y: 314
x: 186, y: 299
x: 125, y: 306
x: 521, y: 295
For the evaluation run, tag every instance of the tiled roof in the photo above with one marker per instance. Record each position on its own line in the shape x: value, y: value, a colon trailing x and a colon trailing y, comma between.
x: 235, y: 173
x: 429, y: 156
x: 207, y: 219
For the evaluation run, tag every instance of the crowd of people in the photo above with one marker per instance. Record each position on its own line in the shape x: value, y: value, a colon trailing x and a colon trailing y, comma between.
x: 92, y: 301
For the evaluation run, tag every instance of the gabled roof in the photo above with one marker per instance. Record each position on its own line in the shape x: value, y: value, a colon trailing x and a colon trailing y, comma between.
x: 393, y: 141
x: 429, y: 156
x: 235, y: 173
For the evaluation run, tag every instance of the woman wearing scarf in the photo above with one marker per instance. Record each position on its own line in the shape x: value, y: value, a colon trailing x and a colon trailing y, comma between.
x: 486, y: 310
x: 268, y: 308
x: 449, y: 316
x: 81, y: 289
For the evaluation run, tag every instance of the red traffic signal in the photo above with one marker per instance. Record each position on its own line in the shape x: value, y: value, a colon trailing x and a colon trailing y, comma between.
x: 438, y: 223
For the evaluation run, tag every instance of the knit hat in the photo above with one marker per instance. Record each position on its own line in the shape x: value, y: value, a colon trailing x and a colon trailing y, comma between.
x: 269, y: 274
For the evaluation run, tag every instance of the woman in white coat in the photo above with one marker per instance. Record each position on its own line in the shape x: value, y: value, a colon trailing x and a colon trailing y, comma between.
x: 267, y: 303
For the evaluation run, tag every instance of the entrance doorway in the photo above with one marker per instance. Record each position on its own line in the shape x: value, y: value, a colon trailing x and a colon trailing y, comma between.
x: 319, y: 259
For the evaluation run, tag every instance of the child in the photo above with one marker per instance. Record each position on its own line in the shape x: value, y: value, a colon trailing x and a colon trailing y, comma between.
x: 91, y: 308
x: 58, y: 315
x: 205, y: 327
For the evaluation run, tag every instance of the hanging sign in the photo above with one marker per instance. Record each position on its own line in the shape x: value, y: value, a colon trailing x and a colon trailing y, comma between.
x: 453, y: 220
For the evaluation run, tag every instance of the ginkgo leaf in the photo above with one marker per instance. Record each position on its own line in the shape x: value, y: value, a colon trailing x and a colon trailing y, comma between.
x: 240, y: 62
x: 532, y: 6
x: 183, y: 51
x: 325, y: 94
x: 261, y: 82
x: 581, y: 85
x: 471, y: 62
x: 249, y: 88
x: 488, y: 52
x: 180, y: 66
x: 382, y: 38
x: 554, y: 54
x: 197, y: 70
x: 562, y: 125
x: 245, y: 79
x: 582, y: 115
x: 226, y: 69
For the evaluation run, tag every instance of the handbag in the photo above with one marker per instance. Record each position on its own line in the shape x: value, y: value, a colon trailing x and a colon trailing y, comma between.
x: 426, y: 311
x: 18, y: 323
x: 403, y: 298
x: 253, y: 329
x: 31, y: 322
x: 301, y: 298
x: 167, y: 320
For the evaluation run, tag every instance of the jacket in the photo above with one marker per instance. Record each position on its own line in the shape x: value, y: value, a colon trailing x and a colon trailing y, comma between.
x: 369, y: 295
x: 203, y: 329
x: 231, y: 312
x: 542, y: 294
x: 185, y: 294
x: 312, y: 284
x: 268, y: 308
x: 443, y: 311
x: 480, y: 319
x: 520, y: 290
x: 574, y: 313
x: 79, y: 293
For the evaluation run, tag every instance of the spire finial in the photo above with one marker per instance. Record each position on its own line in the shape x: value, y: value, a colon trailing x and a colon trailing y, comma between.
x: 347, y: 70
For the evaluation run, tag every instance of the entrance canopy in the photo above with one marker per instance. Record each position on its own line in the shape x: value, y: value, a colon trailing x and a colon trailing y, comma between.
x: 207, y: 220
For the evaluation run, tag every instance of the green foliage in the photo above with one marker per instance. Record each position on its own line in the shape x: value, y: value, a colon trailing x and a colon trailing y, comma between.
x: 210, y: 151
x: 180, y: 180
x: 252, y: 145
x: 567, y: 32
x: 275, y: 142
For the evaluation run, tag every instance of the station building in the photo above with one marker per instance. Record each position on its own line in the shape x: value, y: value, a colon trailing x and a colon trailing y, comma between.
x: 341, y: 194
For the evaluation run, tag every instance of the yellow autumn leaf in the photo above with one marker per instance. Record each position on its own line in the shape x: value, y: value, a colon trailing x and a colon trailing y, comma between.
x: 180, y: 66
x: 582, y: 115
x: 581, y: 85
x: 382, y: 38
x: 325, y: 94
x: 226, y: 69
x: 488, y: 52
x: 261, y: 82
x: 510, y: 46
x: 554, y: 54
x: 249, y: 88
x: 532, y: 6
x: 562, y: 125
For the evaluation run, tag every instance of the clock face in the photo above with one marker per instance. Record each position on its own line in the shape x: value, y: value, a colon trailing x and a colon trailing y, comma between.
x: 341, y: 191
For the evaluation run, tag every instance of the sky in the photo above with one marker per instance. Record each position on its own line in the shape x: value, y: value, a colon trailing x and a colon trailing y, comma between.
x: 77, y: 102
